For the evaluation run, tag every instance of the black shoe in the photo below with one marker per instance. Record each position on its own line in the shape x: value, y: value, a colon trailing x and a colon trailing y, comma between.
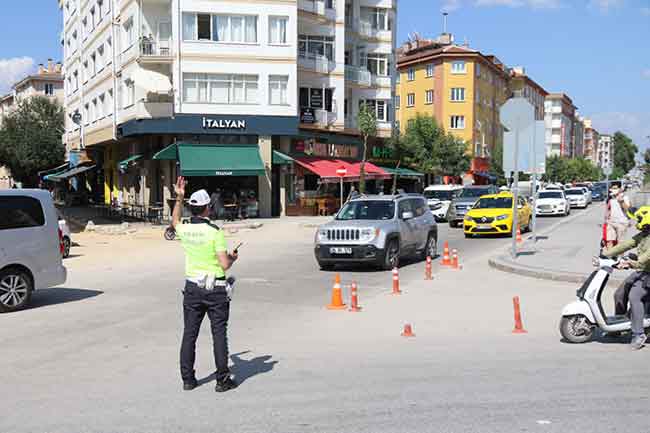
x: 189, y: 385
x: 225, y: 385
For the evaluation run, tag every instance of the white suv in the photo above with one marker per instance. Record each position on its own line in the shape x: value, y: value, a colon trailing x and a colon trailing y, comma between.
x: 31, y: 245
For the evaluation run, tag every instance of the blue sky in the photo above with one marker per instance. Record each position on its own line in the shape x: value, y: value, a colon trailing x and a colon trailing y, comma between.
x: 596, y: 51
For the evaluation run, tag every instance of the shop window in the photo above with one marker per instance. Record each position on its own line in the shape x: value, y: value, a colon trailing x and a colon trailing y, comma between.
x: 304, y: 97
x: 311, y: 182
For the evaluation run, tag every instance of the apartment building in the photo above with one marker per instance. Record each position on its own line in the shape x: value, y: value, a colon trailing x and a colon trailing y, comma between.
x: 578, y: 136
x: 47, y: 82
x: 522, y: 85
x: 559, y: 119
x: 605, y: 151
x: 460, y: 87
x: 230, y: 94
x: 591, y: 141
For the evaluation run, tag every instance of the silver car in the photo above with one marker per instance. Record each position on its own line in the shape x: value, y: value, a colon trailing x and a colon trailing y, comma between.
x: 378, y: 230
x: 465, y: 201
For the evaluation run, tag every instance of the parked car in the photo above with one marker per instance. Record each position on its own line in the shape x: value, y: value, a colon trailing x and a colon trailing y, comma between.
x: 465, y: 200
x: 554, y: 186
x: 31, y: 246
x: 577, y: 197
x: 494, y: 214
x: 552, y: 202
x: 599, y: 191
x: 379, y: 230
x: 587, y: 192
x: 67, y: 238
x: 439, y: 198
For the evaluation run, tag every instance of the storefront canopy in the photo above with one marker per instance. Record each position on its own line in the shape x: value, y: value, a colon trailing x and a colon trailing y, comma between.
x: 219, y: 160
x: 402, y: 172
x: 69, y: 173
x: 326, y: 169
x: 58, y: 169
x: 123, y: 165
x: 280, y: 158
x: 167, y: 154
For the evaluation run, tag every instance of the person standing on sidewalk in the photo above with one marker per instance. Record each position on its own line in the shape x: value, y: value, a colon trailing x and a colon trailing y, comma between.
x: 617, y: 221
x: 206, y: 260
x: 639, y: 281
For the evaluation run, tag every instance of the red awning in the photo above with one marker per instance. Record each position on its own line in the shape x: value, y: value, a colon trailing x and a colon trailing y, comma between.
x: 326, y: 169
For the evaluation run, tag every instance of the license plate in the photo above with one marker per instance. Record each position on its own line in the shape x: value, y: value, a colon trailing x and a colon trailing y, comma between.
x: 485, y: 226
x: 340, y: 250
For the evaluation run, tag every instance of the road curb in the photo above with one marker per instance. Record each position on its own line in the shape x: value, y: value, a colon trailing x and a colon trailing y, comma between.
x: 504, y: 263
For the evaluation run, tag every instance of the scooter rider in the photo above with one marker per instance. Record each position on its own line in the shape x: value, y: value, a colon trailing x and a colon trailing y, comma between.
x: 639, y: 281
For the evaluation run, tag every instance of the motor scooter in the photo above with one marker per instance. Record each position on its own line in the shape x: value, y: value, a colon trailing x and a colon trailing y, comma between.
x: 583, y: 316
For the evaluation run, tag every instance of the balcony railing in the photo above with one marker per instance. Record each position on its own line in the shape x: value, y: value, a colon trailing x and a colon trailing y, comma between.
x: 318, y: 7
x: 325, y: 118
x: 358, y: 75
x: 320, y: 64
x: 155, y: 48
x: 367, y: 30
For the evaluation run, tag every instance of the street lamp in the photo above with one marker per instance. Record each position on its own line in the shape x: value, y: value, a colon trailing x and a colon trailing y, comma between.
x: 77, y: 119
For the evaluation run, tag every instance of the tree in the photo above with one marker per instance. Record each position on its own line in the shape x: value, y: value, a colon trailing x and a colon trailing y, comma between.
x: 432, y: 150
x: 496, y: 164
x: 624, y: 154
x: 399, y: 152
x: 30, y: 139
x: 367, y: 122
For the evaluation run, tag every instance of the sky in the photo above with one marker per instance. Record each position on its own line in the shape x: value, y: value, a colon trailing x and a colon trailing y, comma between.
x: 596, y: 51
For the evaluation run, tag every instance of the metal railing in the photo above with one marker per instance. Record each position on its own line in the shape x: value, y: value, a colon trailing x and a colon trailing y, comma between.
x: 358, y: 75
x: 318, y: 7
x: 316, y: 63
x: 155, y: 48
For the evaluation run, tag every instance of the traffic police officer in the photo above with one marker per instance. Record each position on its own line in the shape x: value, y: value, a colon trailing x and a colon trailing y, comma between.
x: 206, y: 260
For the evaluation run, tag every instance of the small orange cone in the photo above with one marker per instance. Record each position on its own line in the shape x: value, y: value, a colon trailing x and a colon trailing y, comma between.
x: 354, y: 299
x: 427, y: 269
x: 454, y: 259
x: 396, y: 290
x: 519, y: 327
x: 446, y: 261
x: 337, y: 295
x: 408, y: 331
x: 519, y: 239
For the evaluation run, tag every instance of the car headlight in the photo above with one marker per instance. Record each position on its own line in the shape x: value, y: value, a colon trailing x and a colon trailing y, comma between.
x: 368, y: 234
x: 321, y: 235
x: 468, y: 218
x: 436, y: 206
x: 502, y: 217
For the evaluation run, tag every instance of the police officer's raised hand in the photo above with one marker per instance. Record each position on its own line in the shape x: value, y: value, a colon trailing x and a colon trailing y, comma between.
x: 180, y: 187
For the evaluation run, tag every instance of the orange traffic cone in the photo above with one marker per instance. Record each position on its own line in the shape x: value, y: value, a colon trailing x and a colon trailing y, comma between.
x: 519, y: 239
x: 354, y: 299
x: 408, y: 331
x: 446, y: 261
x: 427, y: 269
x: 337, y: 295
x: 454, y: 259
x: 519, y: 327
x: 396, y: 290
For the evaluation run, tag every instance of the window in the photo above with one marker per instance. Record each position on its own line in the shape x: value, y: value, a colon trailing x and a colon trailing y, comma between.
x: 220, y: 88
x: 397, y: 102
x: 379, y: 107
x: 17, y: 212
x: 75, y: 80
x: 128, y: 33
x: 84, y: 26
x: 458, y: 67
x: 478, y: 96
x: 49, y: 89
x: 378, y: 64
x: 405, y: 206
x: 93, y: 111
x: 93, y: 19
x: 478, y: 69
x: 128, y: 93
x: 100, y: 58
x: 93, y: 64
x: 316, y: 46
x: 86, y: 115
x: 458, y: 94
x: 316, y: 97
x: 397, y: 77
x: 410, y: 100
x: 411, y: 74
x: 108, y: 108
x: 278, y: 30
x: 220, y: 28
x: 410, y: 123
x: 278, y: 90
x: 101, y: 106
x: 430, y: 70
x: 85, y: 71
x: 457, y: 122
x: 377, y: 18
x: 428, y: 97
x: 397, y: 125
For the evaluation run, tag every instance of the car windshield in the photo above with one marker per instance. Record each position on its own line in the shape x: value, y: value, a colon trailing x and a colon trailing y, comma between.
x: 474, y: 192
x: 494, y: 203
x: 439, y: 194
x: 574, y: 192
x: 367, y: 210
x: 550, y: 194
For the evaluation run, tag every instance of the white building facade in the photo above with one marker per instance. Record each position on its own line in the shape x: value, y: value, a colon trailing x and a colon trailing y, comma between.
x: 150, y: 75
x: 559, y: 118
x: 605, y: 152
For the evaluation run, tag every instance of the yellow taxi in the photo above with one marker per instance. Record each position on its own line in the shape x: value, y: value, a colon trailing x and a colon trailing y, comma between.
x: 493, y: 214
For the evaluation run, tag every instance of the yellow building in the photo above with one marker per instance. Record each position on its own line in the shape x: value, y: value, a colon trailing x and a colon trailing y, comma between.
x: 461, y: 88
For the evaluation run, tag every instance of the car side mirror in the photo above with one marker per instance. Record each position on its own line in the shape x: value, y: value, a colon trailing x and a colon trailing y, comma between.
x: 407, y: 215
x: 633, y: 210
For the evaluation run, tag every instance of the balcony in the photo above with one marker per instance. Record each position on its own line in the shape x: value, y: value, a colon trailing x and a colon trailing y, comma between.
x: 153, y: 50
x: 358, y: 75
x: 325, y: 118
x: 153, y: 110
x: 366, y: 30
x: 323, y: 8
x: 316, y: 63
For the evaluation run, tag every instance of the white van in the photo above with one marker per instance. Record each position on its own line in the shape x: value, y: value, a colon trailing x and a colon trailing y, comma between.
x: 31, y: 246
x: 439, y: 197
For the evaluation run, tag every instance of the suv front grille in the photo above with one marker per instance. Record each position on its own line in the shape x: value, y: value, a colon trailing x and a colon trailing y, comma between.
x: 483, y: 220
x: 343, y: 234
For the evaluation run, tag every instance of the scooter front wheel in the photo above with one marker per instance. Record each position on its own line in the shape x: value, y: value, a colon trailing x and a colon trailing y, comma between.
x: 170, y: 233
x: 576, y: 329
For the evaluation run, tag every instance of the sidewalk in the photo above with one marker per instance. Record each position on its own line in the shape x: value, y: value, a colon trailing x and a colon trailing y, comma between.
x: 563, y: 252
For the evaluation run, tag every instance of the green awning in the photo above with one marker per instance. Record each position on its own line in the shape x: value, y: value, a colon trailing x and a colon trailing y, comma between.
x: 167, y: 154
x: 217, y: 160
x: 402, y: 172
x: 70, y: 173
x: 280, y: 158
x: 123, y: 165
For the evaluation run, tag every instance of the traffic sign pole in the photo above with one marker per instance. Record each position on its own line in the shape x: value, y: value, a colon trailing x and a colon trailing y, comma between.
x: 341, y: 172
x: 515, y: 191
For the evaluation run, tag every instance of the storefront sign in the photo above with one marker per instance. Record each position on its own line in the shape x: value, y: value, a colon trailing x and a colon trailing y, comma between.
x: 223, y: 124
x: 382, y: 152
x: 327, y: 150
x: 223, y: 173
x: 307, y: 115
x: 316, y: 98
